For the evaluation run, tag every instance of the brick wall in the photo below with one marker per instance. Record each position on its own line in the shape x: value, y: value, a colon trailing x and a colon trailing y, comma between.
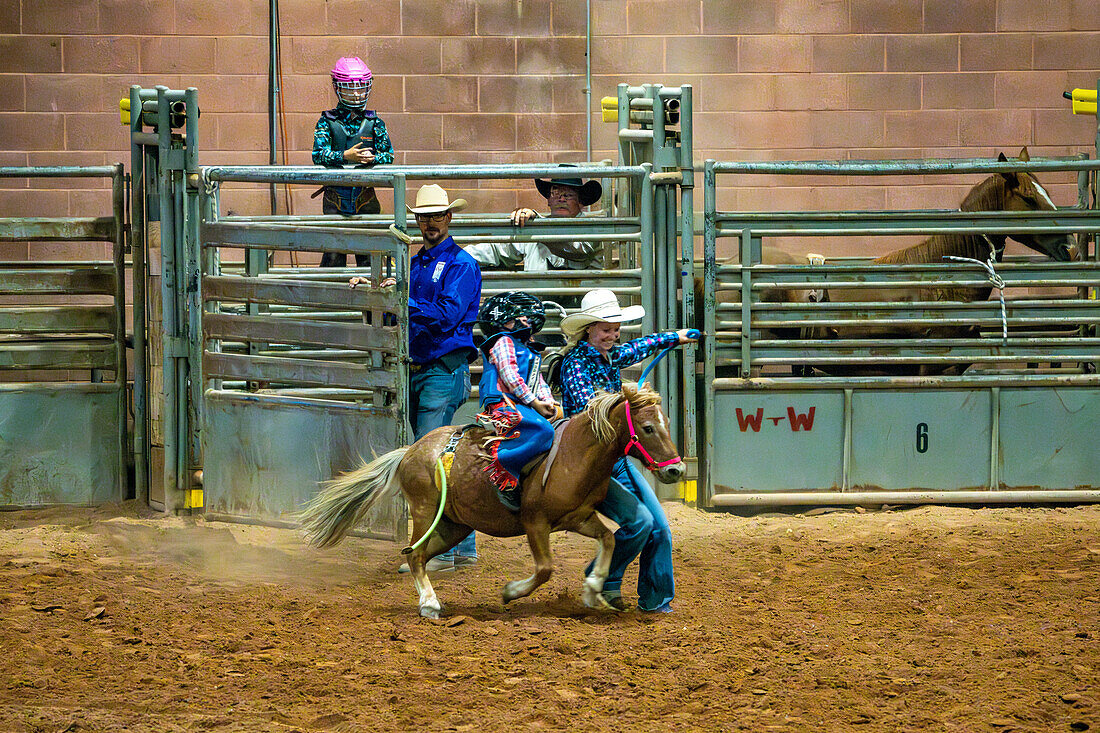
x: 498, y: 81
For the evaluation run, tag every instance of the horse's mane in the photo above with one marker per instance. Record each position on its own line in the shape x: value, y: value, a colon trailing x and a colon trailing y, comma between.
x: 599, y: 407
x: 988, y: 195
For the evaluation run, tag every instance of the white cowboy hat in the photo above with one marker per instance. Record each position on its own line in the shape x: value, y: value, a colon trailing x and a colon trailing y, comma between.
x: 600, y: 306
x: 432, y: 199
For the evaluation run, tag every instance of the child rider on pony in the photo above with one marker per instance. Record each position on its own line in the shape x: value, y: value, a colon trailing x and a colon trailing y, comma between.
x: 514, y: 398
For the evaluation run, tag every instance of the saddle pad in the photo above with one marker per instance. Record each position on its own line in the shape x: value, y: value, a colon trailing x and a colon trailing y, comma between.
x: 559, y: 428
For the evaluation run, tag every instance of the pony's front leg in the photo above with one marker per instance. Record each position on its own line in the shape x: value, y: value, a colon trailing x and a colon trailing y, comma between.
x: 538, y: 537
x: 593, y: 584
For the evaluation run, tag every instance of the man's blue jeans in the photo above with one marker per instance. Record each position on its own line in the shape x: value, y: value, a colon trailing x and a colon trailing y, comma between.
x: 643, y: 528
x: 434, y: 396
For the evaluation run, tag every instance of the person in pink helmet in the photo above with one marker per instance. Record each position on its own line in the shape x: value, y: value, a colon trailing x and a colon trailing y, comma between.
x: 350, y: 135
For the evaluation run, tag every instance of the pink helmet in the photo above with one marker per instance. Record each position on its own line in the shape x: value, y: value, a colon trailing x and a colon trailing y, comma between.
x: 351, y: 80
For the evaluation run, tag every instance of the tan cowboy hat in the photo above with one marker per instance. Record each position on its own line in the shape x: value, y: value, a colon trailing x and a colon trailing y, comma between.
x: 599, y: 306
x: 432, y: 199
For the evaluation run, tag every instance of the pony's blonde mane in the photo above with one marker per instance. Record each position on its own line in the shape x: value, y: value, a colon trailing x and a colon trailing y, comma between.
x: 600, y: 407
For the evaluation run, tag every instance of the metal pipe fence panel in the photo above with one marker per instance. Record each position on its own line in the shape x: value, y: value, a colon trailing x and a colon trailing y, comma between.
x: 821, y: 388
x: 63, y: 426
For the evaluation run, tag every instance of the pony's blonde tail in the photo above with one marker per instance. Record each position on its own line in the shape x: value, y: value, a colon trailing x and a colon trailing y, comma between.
x: 347, y: 498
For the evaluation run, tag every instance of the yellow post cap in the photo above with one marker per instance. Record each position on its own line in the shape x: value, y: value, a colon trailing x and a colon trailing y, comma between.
x: 124, y: 110
x: 609, y: 106
x: 1084, y: 101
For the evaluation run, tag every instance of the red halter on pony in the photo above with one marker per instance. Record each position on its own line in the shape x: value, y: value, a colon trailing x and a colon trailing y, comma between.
x: 651, y: 464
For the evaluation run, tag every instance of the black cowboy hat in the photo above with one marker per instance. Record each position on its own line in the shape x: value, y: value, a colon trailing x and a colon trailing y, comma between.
x: 589, y: 191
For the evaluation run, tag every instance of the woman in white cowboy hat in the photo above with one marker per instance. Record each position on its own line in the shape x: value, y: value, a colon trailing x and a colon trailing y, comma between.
x: 593, y: 361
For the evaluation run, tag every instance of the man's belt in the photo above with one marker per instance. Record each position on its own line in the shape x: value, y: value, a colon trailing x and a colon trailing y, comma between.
x: 450, y: 361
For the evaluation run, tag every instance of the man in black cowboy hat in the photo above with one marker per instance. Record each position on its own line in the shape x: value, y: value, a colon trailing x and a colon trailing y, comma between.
x: 565, y: 196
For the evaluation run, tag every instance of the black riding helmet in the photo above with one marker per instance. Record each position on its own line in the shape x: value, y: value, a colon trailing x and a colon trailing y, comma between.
x: 504, y: 307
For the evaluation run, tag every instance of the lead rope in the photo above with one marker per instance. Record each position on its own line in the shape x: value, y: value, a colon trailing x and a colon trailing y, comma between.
x: 995, y: 280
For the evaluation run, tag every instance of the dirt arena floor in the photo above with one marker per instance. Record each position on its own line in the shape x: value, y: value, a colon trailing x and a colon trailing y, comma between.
x: 924, y: 619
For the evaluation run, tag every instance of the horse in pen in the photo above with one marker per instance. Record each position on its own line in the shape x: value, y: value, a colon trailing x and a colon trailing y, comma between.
x: 846, y: 290
x: 560, y: 490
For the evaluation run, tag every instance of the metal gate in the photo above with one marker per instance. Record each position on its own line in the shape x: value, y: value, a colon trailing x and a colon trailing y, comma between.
x: 304, y: 376
x: 63, y: 400
x: 1017, y: 427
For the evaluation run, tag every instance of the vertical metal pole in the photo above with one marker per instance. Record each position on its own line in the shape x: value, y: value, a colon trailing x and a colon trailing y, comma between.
x: 183, y: 313
x: 660, y: 162
x: 746, y: 303
x: 401, y: 264
x: 846, y: 456
x: 118, y: 201
x: 657, y: 297
x: 624, y: 123
x: 168, y: 289
x: 272, y: 91
x: 687, y: 270
x: 138, y: 191
x: 646, y: 245
x: 192, y: 220
x: 706, y: 448
x: 624, y: 188
x: 588, y: 79
x: 995, y: 438
x: 673, y: 366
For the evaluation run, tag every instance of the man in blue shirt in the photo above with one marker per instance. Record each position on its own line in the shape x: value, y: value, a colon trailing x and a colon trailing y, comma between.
x: 444, y: 295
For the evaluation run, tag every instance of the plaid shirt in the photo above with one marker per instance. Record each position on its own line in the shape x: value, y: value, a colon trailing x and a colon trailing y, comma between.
x: 509, y: 380
x: 584, y: 370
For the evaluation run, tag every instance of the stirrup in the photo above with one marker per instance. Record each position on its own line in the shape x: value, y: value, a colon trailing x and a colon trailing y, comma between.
x: 510, y: 498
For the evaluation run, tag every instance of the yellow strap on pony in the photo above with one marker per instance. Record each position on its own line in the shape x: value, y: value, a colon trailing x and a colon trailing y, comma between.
x: 445, y: 462
x: 443, y: 472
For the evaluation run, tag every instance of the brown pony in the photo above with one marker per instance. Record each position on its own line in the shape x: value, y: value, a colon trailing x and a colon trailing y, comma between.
x: 564, y: 498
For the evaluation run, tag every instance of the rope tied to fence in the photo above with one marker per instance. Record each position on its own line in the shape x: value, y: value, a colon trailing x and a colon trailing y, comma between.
x: 994, y: 279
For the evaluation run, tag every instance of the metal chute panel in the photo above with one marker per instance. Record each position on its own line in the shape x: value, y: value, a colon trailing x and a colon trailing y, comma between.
x: 57, y: 445
x: 754, y: 429
x: 305, y: 376
x: 929, y: 439
x: 1047, y: 438
x: 266, y: 456
x: 63, y: 416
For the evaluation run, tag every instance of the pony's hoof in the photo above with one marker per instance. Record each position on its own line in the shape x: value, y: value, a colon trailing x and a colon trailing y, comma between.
x: 511, y: 591
x: 594, y: 599
x: 430, y: 612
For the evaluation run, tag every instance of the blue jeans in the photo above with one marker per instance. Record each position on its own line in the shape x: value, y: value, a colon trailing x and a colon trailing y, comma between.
x: 535, y: 436
x: 434, y: 396
x: 643, y: 528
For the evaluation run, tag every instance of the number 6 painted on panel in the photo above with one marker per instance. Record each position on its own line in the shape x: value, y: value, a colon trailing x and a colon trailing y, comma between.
x: 922, y: 437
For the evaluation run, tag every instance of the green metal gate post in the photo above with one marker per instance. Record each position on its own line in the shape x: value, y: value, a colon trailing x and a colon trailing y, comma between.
x: 166, y: 199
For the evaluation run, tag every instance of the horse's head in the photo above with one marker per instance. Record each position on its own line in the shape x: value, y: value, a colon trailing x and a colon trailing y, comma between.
x: 1022, y: 192
x: 641, y: 428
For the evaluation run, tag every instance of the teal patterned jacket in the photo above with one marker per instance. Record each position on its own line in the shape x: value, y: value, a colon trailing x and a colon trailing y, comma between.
x: 350, y: 120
